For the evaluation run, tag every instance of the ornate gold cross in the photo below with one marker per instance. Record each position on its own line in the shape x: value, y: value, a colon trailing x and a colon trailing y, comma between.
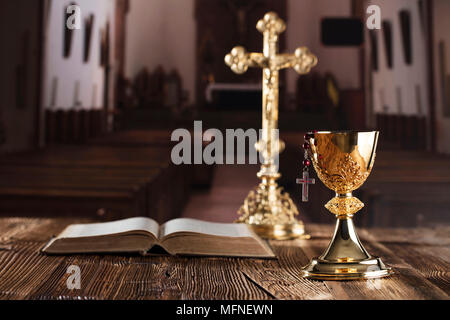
x: 267, y: 209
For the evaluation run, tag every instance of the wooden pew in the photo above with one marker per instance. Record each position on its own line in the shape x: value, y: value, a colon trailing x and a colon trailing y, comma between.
x: 74, y: 126
x: 202, y: 175
x: 164, y: 192
x: 408, y: 188
x: 148, y: 187
x: 45, y: 184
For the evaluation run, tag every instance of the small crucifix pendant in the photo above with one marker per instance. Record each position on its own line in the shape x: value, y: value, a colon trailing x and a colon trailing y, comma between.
x: 306, y: 181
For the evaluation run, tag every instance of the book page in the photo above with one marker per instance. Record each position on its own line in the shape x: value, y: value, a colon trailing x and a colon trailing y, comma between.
x: 108, y: 228
x: 233, y: 230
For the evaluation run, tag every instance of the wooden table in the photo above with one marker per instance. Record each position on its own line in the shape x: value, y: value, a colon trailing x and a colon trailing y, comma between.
x: 420, y: 258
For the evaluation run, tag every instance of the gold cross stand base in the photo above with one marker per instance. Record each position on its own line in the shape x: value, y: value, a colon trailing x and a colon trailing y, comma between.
x: 270, y: 212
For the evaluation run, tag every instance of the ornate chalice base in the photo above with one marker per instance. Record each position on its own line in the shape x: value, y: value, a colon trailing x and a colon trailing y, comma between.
x: 343, y: 161
x: 271, y: 212
x: 345, y: 258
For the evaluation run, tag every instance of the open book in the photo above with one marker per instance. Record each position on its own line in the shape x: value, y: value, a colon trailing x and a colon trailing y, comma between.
x: 176, y: 237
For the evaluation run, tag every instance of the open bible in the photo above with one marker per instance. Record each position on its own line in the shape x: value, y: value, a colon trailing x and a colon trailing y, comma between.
x: 144, y: 235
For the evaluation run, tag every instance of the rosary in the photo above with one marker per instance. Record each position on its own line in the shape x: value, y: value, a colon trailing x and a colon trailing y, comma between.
x: 306, y: 181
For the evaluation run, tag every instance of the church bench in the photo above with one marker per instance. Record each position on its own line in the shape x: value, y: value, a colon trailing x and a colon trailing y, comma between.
x: 407, y: 201
x: 58, y: 202
x: 94, y: 156
x: 202, y: 175
x: 163, y: 185
x: 151, y: 180
x: 149, y: 184
x: 45, y: 184
x: 408, y: 188
x: 135, y: 138
x: 73, y: 126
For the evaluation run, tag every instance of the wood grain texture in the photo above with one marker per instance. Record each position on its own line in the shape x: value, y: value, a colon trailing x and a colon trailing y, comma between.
x: 282, y: 278
x: 421, y: 269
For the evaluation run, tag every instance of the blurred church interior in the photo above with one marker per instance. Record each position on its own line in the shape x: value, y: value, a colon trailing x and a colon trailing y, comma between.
x: 86, y: 115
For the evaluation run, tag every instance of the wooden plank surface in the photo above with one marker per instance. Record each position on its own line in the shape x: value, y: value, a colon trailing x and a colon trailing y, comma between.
x: 419, y: 257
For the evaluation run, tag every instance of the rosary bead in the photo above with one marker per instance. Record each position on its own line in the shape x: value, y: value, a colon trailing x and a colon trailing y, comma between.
x: 306, y: 163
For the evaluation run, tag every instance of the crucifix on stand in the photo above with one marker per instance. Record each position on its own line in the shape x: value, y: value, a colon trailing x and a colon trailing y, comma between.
x: 267, y: 209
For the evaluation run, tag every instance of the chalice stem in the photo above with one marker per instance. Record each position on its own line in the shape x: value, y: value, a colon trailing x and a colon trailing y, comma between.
x: 345, y: 245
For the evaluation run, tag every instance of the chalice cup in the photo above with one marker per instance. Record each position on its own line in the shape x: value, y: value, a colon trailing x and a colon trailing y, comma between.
x: 343, y: 160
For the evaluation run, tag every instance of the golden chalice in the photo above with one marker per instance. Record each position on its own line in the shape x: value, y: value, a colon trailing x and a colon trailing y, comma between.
x: 343, y: 160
